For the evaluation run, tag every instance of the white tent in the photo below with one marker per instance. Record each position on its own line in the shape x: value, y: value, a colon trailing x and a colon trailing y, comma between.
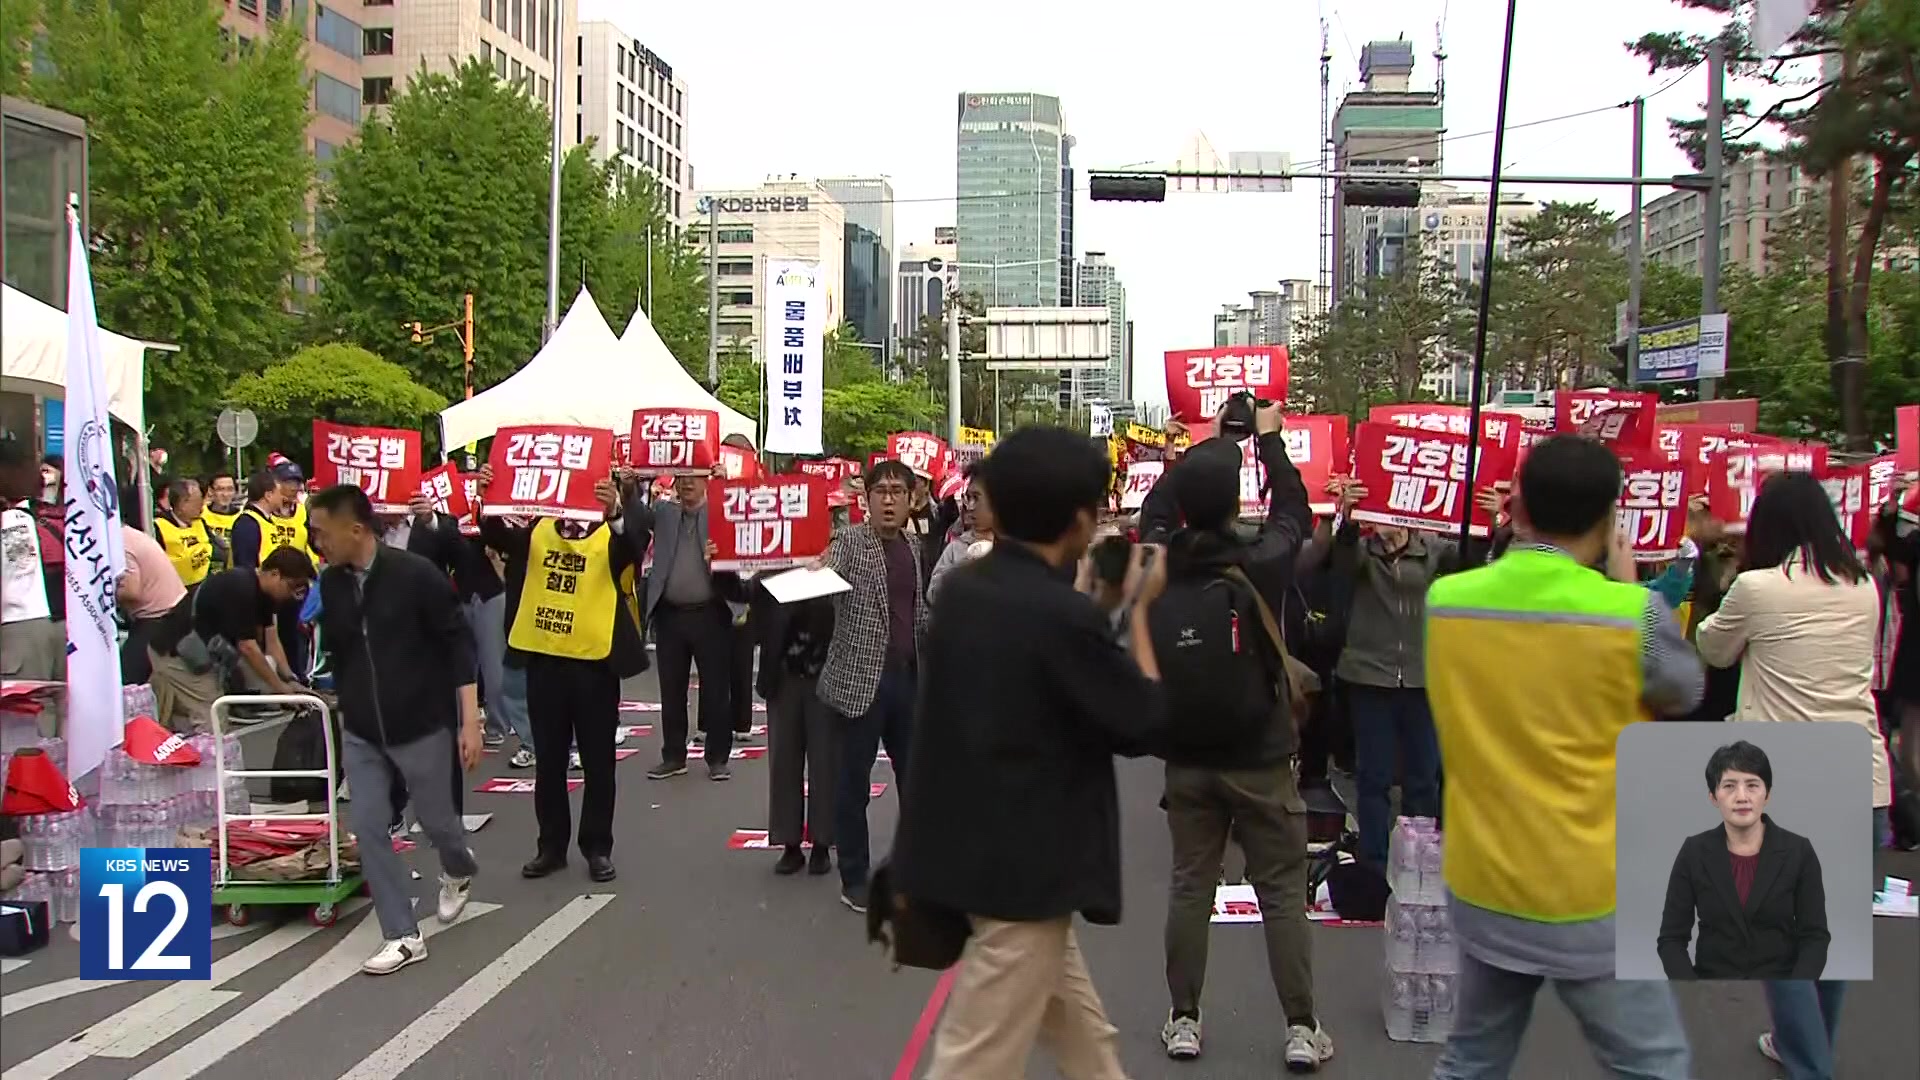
x: 33, y: 346
x: 677, y: 388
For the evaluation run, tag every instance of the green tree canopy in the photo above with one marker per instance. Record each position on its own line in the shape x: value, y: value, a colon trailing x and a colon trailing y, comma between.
x: 1377, y: 346
x: 198, y: 173
x: 627, y: 211
x: 19, y: 21
x: 861, y: 407
x: 342, y: 383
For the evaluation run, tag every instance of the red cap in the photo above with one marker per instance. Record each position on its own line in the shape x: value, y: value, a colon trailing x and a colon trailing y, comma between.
x: 150, y: 744
x: 35, y: 786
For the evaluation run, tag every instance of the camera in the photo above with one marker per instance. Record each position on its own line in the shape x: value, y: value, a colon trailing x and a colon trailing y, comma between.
x: 1237, y: 415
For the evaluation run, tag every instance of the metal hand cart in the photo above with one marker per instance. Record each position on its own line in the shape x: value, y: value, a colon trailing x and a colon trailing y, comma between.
x: 236, y: 898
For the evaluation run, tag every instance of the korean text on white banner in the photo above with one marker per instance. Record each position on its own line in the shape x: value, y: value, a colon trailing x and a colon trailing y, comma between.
x: 96, y: 555
x: 1099, y: 421
x: 796, y: 316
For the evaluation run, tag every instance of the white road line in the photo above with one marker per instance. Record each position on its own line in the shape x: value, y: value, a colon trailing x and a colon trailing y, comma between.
x: 457, y: 1008
x: 8, y: 963
x: 52, y: 991
x: 339, y: 964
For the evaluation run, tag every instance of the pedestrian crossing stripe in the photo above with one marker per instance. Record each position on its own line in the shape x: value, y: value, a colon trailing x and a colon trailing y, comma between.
x: 873, y: 792
x: 513, y: 785
x: 654, y: 706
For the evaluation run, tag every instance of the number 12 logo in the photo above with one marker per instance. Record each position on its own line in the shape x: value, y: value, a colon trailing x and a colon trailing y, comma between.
x: 146, y: 913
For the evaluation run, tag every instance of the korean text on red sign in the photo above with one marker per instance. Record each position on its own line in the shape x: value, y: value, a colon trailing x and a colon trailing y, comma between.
x: 833, y: 468
x: 1653, y: 506
x: 385, y: 462
x: 919, y: 451
x: 1199, y: 381
x: 1496, y: 428
x: 1572, y: 409
x: 1734, y: 478
x: 470, y: 482
x: 1417, y: 479
x: 445, y: 489
x: 1906, y: 437
x: 1317, y: 446
x: 769, y: 523
x: 548, y: 471
x: 675, y: 440
x: 1858, y: 494
x: 738, y: 464
x: 1141, y: 476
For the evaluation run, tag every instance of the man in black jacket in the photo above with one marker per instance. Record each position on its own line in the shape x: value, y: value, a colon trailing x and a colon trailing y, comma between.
x: 437, y: 538
x: 404, y: 671
x: 1250, y: 787
x: 1013, y: 816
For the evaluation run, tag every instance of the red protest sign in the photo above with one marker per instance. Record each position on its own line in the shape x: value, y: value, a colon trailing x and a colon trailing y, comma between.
x: 1199, y: 381
x: 548, y: 471
x: 769, y: 523
x: 1734, y: 477
x: 675, y: 441
x: 1416, y: 478
x: 1317, y: 446
x: 1906, y: 438
x: 470, y: 483
x: 738, y: 464
x: 1653, y: 506
x: 622, y: 449
x: 1572, y: 409
x: 1141, y: 476
x: 925, y: 454
x: 1848, y: 489
x: 834, y: 469
x: 1497, y: 429
x: 385, y: 462
x: 443, y: 488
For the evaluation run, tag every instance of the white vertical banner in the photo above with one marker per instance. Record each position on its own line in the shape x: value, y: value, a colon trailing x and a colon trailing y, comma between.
x: 1099, y: 421
x: 96, y: 554
x: 795, y: 314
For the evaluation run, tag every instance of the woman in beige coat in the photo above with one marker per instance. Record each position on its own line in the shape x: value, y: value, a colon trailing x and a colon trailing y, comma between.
x: 1801, y: 617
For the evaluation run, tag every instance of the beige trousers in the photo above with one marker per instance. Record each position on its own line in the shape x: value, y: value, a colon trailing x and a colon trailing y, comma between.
x: 1019, y: 982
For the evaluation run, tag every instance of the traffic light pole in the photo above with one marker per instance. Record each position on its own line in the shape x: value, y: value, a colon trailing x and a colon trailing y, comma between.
x: 1688, y: 182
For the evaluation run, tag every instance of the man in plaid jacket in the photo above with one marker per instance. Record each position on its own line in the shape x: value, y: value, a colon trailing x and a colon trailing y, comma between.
x: 872, y: 664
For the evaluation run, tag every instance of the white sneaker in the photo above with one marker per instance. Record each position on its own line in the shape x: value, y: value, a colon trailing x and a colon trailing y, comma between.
x: 396, y: 954
x: 1308, y: 1048
x: 573, y: 761
x: 1181, y: 1037
x: 620, y: 735
x: 522, y: 759
x: 453, y: 897
x: 1767, y: 1048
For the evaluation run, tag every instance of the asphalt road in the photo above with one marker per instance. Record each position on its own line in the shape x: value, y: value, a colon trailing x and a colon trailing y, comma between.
x: 700, y: 963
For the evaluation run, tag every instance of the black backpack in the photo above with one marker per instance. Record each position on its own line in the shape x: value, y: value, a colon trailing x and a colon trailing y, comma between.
x: 1220, y: 666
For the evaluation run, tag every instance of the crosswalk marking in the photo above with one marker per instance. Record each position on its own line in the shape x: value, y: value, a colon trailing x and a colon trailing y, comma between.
x: 52, y: 991
x: 457, y: 1008
x: 8, y: 963
x: 338, y: 965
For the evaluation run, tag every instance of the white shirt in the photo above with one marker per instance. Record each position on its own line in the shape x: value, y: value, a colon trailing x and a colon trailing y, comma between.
x: 23, y: 584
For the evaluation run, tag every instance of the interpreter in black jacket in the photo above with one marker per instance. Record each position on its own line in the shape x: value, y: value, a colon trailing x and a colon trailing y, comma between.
x: 404, y: 672
x: 1754, y: 887
x: 1012, y: 815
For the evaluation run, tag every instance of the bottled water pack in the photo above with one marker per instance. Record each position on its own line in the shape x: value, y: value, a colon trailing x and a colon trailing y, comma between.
x: 1422, y: 957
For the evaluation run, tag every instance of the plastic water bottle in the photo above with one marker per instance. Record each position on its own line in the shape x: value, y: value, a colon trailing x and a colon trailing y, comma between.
x: 66, y: 895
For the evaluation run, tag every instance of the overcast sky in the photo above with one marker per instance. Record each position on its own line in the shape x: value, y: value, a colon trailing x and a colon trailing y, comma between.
x: 865, y: 87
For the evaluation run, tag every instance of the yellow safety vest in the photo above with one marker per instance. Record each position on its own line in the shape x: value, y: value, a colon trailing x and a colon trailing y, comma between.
x: 189, y: 549
x: 569, y: 600
x: 279, y: 532
x: 220, y: 527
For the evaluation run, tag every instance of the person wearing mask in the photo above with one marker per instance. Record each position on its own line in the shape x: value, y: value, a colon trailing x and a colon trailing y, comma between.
x: 565, y: 615
x: 1241, y: 777
x: 190, y: 544
x: 437, y: 538
x: 1800, y: 619
x: 1013, y: 821
x: 976, y: 526
x: 872, y: 664
x: 1535, y: 664
x: 33, y: 642
x: 404, y: 670
x: 802, y: 748
x: 687, y: 607
x: 154, y: 600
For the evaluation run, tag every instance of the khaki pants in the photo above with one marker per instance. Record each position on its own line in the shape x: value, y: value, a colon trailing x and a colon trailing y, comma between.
x: 1018, y: 982
x: 183, y: 698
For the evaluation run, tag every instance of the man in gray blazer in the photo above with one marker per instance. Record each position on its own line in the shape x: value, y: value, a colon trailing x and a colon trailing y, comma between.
x: 686, y: 605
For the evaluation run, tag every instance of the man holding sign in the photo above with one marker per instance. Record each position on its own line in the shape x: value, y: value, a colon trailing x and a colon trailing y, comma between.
x: 566, y: 617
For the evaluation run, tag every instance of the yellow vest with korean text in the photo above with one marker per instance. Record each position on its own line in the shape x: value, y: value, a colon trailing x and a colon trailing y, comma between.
x: 220, y: 527
x: 569, y: 601
x: 189, y: 549
x: 1533, y: 670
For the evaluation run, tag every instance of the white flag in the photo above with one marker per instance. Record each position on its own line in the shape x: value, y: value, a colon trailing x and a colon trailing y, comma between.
x: 1100, y: 421
x: 96, y: 554
x: 1775, y: 21
x: 795, y: 316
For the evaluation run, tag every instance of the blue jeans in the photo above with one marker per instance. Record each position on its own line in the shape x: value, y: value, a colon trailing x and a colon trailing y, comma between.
x: 887, y: 720
x: 1389, y: 726
x: 512, y: 708
x: 1805, y: 1016
x: 1633, y: 1028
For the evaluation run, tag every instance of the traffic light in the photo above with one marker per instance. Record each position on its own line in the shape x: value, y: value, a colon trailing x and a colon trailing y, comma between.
x: 1402, y: 194
x: 1127, y: 187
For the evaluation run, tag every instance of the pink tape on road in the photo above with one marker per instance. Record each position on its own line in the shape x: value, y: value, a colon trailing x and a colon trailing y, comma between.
x: 909, y: 1063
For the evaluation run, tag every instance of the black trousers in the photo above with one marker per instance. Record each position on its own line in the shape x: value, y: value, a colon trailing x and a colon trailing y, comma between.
x: 803, y: 768
x: 740, y: 689
x: 573, y: 703
x: 686, y: 637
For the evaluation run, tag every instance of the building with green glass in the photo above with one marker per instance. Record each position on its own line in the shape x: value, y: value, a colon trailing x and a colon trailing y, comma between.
x: 1014, y: 214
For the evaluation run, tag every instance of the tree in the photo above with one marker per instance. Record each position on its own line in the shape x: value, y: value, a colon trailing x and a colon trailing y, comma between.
x: 198, y: 173
x: 446, y: 195
x: 847, y: 365
x: 859, y: 416
x: 342, y: 383
x: 1553, y: 313
x: 1377, y: 346
x: 1864, y: 119
x: 634, y: 209
x: 19, y: 21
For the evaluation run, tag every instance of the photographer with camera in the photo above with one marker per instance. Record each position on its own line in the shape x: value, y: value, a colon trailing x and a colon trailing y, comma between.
x: 1227, y: 674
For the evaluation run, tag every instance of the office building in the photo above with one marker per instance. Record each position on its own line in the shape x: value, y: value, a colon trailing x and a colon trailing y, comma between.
x: 1069, y: 271
x: 1453, y: 226
x: 515, y: 36
x: 926, y: 272
x: 1010, y: 229
x: 1389, y: 127
x: 1759, y: 193
x: 634, y: 108
x: 868, y: 204
x: 784, y: 218
x: 1270, y: 316
x: 1099, y: 286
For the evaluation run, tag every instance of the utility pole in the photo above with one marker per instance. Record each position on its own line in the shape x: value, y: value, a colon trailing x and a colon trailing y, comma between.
x: 713, y: 293
x: 1716, y: 168
x: 1636, y: 241
x: 953, y: 369
x: 553, y: 177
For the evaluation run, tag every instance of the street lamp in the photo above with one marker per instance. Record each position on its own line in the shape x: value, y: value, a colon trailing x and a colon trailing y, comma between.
x: 462, y: 328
